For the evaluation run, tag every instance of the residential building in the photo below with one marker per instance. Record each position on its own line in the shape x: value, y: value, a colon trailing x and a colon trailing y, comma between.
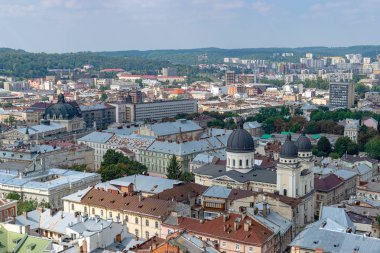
x: 160, y: 109
x: 327, y: 235
x: 11, y: 240
x: 342, y: 95
x: 74, y: 232
x: 33, y: 181
x: 134, y: 97
x: 370, y: 122
x: 8, y: 209
x: 120, y: 112
x: 351, y: 129
x: 369, y: 190
x: 57, y: 155
x: 98, y: 116
x: 180, y: 129
x: 329, y: 190
x: 142, y: 216
x: 364, y: 165
x: 232, y: 232
x: 229, y: 77
x: 180, y: 242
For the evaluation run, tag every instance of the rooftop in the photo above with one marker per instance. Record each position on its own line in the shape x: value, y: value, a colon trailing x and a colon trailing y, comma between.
x: 256, y: 234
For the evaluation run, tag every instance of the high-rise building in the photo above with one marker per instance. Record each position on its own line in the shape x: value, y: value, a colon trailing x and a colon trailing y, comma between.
x: 342, y: 95
x: 230, y: 77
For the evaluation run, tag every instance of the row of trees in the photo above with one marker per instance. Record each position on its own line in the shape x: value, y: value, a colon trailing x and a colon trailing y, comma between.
x: 25, y: 205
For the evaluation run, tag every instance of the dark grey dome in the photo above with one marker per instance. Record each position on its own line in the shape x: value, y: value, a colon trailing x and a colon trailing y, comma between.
x: 289, y: 148
x: 303, y: 144
x: 61, y: 109
x: 240, y: 141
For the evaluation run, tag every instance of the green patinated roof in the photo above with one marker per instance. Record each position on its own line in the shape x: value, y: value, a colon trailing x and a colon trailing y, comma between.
x: 22, y: 243
x: 316, y: 136
x: 286, y: 133
x: 266, y: 136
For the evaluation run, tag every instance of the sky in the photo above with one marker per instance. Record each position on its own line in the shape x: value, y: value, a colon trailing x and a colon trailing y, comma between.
x: 109, y: 25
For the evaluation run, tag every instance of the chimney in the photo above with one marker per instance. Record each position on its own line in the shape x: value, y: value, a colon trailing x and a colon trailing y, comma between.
x: 141, y: 198
x: 265, y: 209
x: 225, y: 217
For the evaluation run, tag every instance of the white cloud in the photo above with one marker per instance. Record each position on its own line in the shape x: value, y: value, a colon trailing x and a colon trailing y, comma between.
x: 261, y: 6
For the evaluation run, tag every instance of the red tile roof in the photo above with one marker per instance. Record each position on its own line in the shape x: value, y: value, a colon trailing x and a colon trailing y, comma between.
x: 122, y: 202
x: 256, y: 234
x: 181, y: 192
x: 328, y: 183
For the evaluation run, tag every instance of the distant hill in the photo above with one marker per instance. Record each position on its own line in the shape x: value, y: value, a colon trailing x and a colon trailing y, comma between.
x: 20, y: 63
x: 216, y: 55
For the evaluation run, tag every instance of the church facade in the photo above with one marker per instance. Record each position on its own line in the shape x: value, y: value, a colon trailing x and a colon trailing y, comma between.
x: 293, y: 176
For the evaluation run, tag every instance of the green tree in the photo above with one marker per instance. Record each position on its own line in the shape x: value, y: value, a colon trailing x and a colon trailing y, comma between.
x: 174, y: 170
x: 13, y: 196
x: 373, y: 147
x: 334, y: 155
x: 187, y: 177
x: 343, y: 145
x: 114, y: 157
x: 112, y: 171
x: 324, y: 145
x: 103, y: 97
x: 26, y: 206
x: 365, y: 134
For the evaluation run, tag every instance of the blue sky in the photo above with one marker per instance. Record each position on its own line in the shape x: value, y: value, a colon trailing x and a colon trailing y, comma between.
x: 97, y: 25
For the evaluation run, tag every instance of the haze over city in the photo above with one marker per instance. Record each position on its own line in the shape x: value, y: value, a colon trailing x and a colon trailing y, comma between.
x: 96, y: 25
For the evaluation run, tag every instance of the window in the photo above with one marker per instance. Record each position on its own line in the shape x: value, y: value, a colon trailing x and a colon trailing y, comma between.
x: 110, y: 214
x: 240, y: 163
x: 147, y: 235
x: 85, y: 209
x: 136, y: 232
x: 136, y: 220
x: 246, y: 162
x: 93, y: 210
x: 72, y: 206
x: 101, y: 212
x: 156, y: 224
x: 305, y: 189
x: 250, y: 249
x: 147, y: 223
x: 223, y: 244
x: 233, y: 162
x: 285, y: 192
x: 237, y: 246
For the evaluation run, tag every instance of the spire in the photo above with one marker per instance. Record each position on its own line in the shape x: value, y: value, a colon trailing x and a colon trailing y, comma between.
x: 240, y: 123
x: 289, y: 137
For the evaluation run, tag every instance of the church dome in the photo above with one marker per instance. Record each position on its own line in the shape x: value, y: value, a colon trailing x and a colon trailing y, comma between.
x: 304, y: 144
x: 289, y: 149
x: 61, y: 110
x: 240, y: 141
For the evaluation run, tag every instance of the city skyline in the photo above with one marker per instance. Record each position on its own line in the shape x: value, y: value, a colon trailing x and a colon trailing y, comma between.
x: 71, y: 26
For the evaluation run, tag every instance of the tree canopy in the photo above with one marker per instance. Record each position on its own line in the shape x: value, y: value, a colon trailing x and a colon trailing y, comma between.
x: 174, y: 169
x: 344, y: 144
x: 116, y: 165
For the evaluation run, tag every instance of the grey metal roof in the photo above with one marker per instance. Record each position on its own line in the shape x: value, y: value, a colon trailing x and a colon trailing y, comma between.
x: 146, y: 183
x: 169, y: 128
x: 217, y: 191
x: 257, y: 174
x: 338, y: 215
x: 335, y: 242
x: 98, y: 137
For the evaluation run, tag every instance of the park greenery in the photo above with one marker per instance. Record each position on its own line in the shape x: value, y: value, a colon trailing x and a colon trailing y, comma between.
x: 116, y: 165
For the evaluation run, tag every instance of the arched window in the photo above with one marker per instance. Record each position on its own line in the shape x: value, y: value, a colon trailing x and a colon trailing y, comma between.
x: 285, y: 192
x: 240, y: 163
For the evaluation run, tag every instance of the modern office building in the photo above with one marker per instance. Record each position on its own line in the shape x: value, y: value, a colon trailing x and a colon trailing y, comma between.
x: 160, y: 109
x: 342, y: 95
